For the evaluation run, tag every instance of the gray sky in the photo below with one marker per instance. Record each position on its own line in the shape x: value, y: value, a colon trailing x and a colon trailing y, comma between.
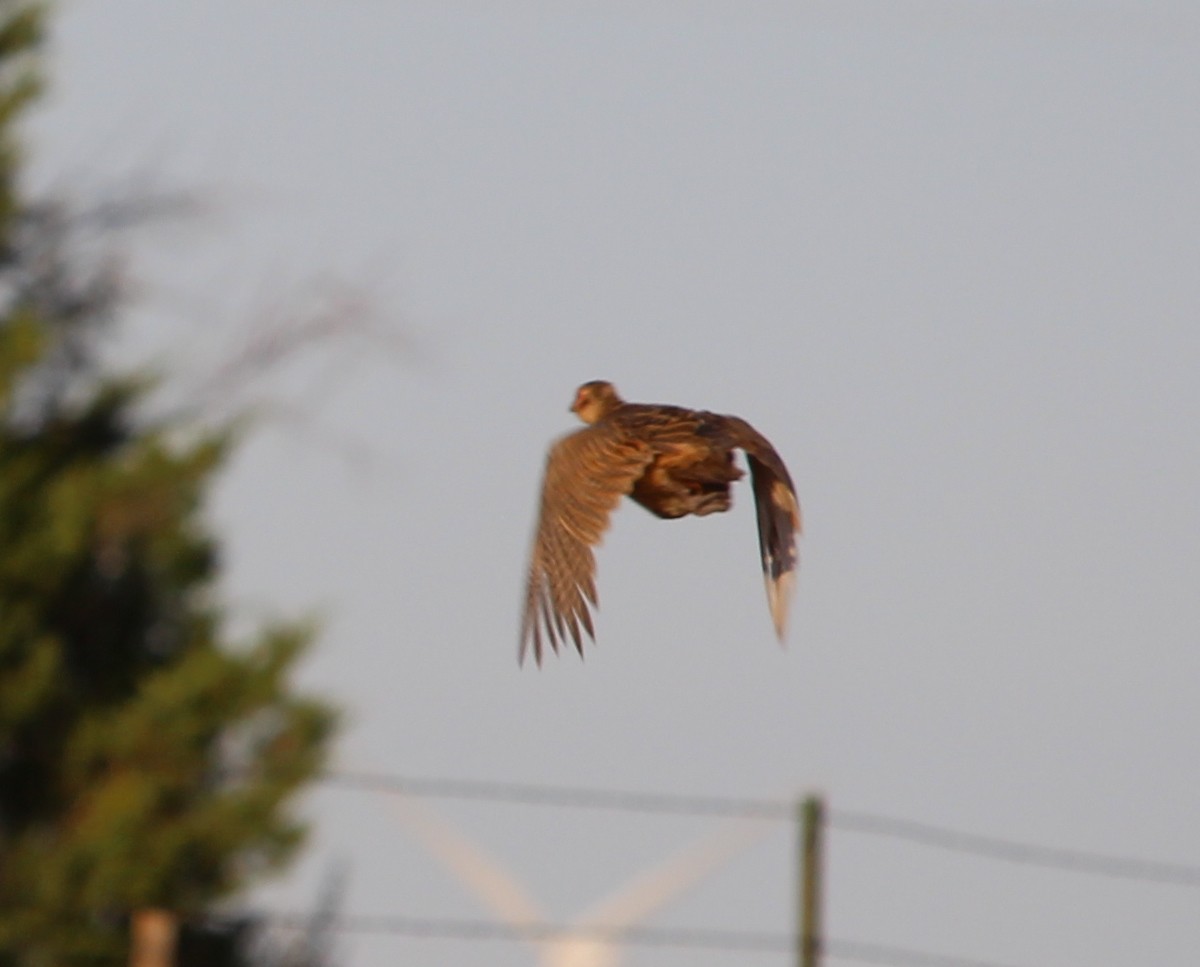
x: 943, y: 254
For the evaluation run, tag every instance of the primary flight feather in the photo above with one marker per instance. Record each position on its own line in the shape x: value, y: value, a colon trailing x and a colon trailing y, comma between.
x: 671, y: 460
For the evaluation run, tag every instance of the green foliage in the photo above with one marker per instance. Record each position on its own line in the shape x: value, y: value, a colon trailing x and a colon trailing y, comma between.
x: 20, y: 35
x: 145, y: 760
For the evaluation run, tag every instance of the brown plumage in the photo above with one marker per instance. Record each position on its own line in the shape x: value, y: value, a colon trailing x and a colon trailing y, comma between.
x: 673, y: 461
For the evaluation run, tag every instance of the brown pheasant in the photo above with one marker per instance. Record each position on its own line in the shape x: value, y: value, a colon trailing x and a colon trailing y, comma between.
x: 673, y: 461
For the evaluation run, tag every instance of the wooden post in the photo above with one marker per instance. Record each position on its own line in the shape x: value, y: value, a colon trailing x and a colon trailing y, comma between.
x: 152, y: 936
x: 810, y: 821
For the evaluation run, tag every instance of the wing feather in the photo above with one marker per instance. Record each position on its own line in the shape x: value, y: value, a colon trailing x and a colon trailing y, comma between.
x: 587, y: 472
x: 777, y: 509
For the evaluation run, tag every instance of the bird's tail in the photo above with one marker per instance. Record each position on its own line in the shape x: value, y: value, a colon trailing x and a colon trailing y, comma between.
x: 779, y: 521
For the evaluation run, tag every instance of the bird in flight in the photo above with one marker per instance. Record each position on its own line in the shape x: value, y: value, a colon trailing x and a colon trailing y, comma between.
x: 671, y: 460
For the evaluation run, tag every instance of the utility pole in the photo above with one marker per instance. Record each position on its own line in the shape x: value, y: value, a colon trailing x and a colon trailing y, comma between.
x: 152, y: 936
x: 810, y: 822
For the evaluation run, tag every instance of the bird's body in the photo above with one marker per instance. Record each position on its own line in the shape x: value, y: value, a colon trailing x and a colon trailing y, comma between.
x: 674, y: 462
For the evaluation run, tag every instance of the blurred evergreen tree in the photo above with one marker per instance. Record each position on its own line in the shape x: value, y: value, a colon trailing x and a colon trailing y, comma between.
x: 145, y: 760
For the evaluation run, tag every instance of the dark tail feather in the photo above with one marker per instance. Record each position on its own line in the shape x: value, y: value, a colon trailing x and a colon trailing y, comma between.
x: 779, y: 522
x: 778, y: 525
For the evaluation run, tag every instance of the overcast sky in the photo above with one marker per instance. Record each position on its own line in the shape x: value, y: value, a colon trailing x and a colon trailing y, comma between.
x: 943, y: 254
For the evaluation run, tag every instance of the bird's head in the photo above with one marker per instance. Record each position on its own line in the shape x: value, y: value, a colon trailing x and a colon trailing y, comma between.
x: 595, y: 400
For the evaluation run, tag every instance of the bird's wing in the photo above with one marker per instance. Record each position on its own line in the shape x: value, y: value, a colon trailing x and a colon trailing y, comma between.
x: 778, y: 511
x: 586, y: 474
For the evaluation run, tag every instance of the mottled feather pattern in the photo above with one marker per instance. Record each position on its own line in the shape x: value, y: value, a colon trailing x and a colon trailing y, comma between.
x: 673, y: 461
x: 586, y: 474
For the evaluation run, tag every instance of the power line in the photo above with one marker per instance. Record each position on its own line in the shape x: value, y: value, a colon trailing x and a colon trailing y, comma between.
x: 452, y: 928
x: 575, y: 797
x: 1012, y: 851
x: 874, y: 824
x: 870, y: 953
x: 730, y: 941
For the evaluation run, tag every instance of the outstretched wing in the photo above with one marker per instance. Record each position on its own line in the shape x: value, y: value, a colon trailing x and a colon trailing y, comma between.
x: 778, y: 511
x: 587, y: 472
